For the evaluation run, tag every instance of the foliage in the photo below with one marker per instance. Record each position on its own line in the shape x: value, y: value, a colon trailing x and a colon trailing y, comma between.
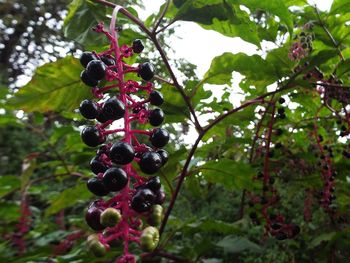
x: 44, y: 164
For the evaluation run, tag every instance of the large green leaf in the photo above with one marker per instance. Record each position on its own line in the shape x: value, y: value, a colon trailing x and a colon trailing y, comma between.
x: 234, y: 244
x: 218, y: 15
x: 55, y: 86
x: 231, y: 174
x: 274, y: 7
x: 340, y: 7
x: 82, y: 16
x: 8, y: 184
x: 68, y: 198
x: 255, y: 68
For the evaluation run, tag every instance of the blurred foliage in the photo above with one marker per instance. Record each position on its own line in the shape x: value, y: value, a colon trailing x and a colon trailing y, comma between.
x: 43, y: 159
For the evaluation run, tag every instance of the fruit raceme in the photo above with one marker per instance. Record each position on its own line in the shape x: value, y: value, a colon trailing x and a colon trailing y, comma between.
x: 132, y: 198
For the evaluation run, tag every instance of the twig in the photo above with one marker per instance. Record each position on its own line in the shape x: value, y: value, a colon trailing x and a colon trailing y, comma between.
x: 336, y: 45
x: 165, y: 9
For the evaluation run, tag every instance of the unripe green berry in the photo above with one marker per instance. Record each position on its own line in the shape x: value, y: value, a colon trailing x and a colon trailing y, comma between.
x: 149, y: 238
x: 110, y: 217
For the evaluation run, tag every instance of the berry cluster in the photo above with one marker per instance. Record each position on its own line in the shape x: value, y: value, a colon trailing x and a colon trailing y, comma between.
x: 136, y: 199
x: 326, y: 196
x: 302, y: 46
x: 275, y: 224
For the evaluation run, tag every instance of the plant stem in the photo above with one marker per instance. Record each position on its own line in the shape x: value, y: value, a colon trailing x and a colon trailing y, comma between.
x: 325, y: 29
x: 165, y: 9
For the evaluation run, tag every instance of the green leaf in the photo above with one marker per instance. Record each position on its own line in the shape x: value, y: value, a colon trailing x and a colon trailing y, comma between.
x: 325, y: 237
x: 174, y: 105
x: 213, y: 226
x: 82, y: 16
x: 253, y: 67
x: 340, y: 7
x: 343, y: 68
x: 8, y: 184
x: 274, y: 7
x: 234, y: 244
x: 55, y: 86
x: 68, y: 198
x: 218, y: 15
x: 231, y: 174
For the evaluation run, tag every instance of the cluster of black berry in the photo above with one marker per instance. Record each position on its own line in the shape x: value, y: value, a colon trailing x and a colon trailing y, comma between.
x: 275, y: 225
x: 136, y: 197
x: 326, y: 196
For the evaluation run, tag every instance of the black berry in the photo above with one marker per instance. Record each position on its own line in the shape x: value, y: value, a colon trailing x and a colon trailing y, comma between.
x: 154, y: 184
x: 150, y: 162
x: 108, y: 60
x: 122, y: 153
x: 92, y: 218
x: 91, y: 136
x: 115, y: 179
x: 146, y: 71
x: 101, y: 117
x: 164, y: 155
x: 137, y: 46
x: 97, y: 187
x: 281, y: 236
x: 160, y: 197
x: 88, y: 109
x: 86, y: 57
x: 87, y: 80
x: 281, y: 100
x: 156, y: 117
x: 96, y: 69
x: 159, y: 137
x: 156, y: 98
x: 143, y: 200
x: 113, y: 109
x: 97, y: 166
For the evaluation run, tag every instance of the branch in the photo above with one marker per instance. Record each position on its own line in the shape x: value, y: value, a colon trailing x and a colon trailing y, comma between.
x: 336, y: 45
x: 165, y: 9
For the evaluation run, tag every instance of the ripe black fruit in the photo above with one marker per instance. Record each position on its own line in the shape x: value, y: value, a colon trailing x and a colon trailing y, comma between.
x: 115, y: 179
x: 88, y: 80
x: 281, y: 100
x: 97, y: 166
x: 281, y: 236
x: 160, y: 197
x: 159, y: 137
x: 96, y: 69
x: 154, y: 183
x: 146, y: 71
x: 88, y: 109
x: 122, y: 153
x: 143, y: 200
x: 156, y: 117
x: 92, y: 218
x: 97, y: 187
x: 113, y: 109
x: 91, y: 136
x: 86, y: 57
x: 108, y: 60
x: 101, y: 117
x: 150, y: 162
x: 164, y: 155
x: 156, y: 98
x: 137, y: 46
